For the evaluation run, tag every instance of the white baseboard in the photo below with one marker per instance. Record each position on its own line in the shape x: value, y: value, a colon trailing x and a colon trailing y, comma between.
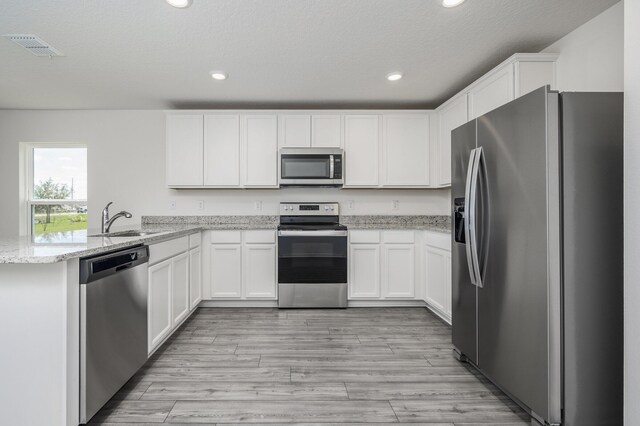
x: 444, y: 317
x: 384, y: 303
x: 238, y: 304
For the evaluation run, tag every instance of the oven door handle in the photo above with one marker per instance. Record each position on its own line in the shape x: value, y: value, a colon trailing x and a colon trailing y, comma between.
x: 312, y: 233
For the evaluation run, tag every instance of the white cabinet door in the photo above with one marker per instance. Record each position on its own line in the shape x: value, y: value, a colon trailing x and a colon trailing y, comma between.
x: 364, y: 271
x: 294, y: 131
x: 326, y: 131
x: 362, y: 150
x: 454, y: 115
x: 179, y: 288
x: 195, y: 277
x: 532, y: 75
x: 447, y: 285
x: 260, y: 150
x: 494, y: 91
x: 159, y: 309
x: 405, y: 150
x: 259, y: 271
x: 222, y: 150
x: 225, y: 270
x: 184, y: 150
x: 436, y: 278
x: 398, y: 270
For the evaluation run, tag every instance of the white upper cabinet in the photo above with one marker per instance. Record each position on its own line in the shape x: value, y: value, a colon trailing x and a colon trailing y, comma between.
x: 362, y: 136
x: 221, y: 150
x: 294, y: 131
x: 326, y: 131
x: 184, y: 150
x: 260, y: 151
x: 452, y: 115
x: 495, y: 90
x: 531, y: 75
x: 405, y: 150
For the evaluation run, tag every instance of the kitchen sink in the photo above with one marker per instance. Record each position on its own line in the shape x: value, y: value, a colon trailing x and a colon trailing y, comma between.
x: 131, y: 233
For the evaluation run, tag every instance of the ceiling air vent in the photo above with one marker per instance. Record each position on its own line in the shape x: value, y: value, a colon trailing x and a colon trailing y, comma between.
x: 33, y: 44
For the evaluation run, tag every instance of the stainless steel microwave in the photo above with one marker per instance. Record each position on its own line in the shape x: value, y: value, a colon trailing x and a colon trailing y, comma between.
x: 311, y: 167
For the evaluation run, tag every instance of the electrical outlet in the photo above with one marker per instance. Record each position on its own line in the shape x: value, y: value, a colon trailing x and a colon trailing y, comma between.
x: 350, y: 205
x: 201, y: 205
x: 396, y: 204
x: 172, y: 205
x: 258, y: 205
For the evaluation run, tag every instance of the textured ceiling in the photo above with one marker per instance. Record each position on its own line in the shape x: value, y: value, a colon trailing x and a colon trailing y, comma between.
x: 141, y: 54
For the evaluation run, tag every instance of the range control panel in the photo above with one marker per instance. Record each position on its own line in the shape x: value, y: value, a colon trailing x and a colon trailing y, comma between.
x: 309, y: 209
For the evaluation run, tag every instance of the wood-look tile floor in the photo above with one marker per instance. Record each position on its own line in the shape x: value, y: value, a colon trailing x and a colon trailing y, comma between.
x: 354, y: 366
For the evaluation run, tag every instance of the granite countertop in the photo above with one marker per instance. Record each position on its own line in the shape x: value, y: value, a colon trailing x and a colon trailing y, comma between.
x: 61, y: 246
x: 415, y: 222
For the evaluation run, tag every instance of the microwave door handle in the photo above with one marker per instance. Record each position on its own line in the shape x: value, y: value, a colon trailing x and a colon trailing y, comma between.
x: 331, y: 167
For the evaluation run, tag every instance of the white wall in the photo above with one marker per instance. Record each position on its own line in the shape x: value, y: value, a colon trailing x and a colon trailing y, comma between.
x: 632, y: 204
x: 126, y: 161
x: 592, y: 56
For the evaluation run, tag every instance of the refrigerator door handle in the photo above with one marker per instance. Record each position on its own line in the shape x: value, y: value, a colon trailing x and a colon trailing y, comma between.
x: 473, y: 242
x: 467, y: 216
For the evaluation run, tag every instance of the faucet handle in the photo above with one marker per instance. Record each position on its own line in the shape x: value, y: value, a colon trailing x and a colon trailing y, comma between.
x: 107, y: 206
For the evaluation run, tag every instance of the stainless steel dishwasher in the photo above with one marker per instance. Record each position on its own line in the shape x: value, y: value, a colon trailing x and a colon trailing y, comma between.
x: 113, y: 324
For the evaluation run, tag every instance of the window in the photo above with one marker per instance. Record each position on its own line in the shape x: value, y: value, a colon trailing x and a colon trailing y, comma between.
x: 56, y: 188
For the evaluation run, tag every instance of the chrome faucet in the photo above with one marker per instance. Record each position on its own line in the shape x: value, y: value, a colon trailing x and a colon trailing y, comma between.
x: 106, y: 222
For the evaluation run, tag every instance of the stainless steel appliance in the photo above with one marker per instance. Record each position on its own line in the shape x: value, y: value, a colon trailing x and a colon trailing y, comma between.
x: 312, y: 256
x: 113, y: 324
x: 311, y: 167
x: 537, y: 253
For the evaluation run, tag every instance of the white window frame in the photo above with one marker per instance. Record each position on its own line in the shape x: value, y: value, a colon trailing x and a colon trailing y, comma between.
x: 26, y: 182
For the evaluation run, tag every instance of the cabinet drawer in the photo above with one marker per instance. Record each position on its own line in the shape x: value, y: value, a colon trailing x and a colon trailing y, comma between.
x: 364, y: 237
x: 398, y: 237
x: 439, y: 240
x: 260, y: 237
x: 167, y: 249
x: 226, y: 237
x: 195, y: 240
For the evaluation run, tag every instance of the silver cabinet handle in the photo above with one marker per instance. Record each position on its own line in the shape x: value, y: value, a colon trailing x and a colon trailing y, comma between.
x: 473, y: 219
x: 467, y: 216
x: 312, y: 233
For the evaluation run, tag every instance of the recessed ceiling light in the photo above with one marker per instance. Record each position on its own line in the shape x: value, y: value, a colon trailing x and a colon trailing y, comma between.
x: 181, y: 4
x: 219, y: 75
x: 394, y: 76
x: 452, y: 3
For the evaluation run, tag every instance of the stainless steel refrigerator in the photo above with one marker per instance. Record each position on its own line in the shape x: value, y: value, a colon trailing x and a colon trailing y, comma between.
x: 537, y: 253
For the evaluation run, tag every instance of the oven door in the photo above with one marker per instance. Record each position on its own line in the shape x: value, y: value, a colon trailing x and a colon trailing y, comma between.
x: 312, y: 257
x: 310, y: 167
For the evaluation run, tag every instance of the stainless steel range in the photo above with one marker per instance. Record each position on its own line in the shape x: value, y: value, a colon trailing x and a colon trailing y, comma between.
x: 312, y: 256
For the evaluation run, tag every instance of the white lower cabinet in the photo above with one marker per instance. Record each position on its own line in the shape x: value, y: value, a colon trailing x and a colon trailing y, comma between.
x: 159, y: 309
x: 225, y: 270
x: 195, y: 277
x: 437, y: 268
x: 381, y: 265
x: 364, y: 273
x: 242, y: 265
x: 174, y: 286
x: 179, y: 288
x: 398, y: 271
x: 259, y: 270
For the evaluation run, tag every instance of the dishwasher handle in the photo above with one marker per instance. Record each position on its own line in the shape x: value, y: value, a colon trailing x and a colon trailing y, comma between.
x: 102, y: 265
